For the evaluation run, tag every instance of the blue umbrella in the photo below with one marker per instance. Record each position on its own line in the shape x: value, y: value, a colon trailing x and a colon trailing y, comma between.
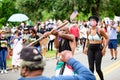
x: 18, y: 17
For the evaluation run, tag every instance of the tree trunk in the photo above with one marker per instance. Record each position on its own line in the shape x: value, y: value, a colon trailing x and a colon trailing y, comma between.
x: 95, y: 8
x: 95, y: 11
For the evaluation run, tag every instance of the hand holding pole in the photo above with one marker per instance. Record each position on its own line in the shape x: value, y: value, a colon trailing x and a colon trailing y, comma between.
x: 42, y: 37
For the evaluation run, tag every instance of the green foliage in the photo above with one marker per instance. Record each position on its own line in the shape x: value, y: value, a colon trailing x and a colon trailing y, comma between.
x: 46, y: 15
x: 115, y: 6
x: 2, y: 20
x: 83, y: 16
x: 7, y: 8
x: 58, y: 9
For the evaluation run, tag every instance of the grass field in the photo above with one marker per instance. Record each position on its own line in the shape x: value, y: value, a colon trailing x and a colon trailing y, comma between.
x: 49, y: 54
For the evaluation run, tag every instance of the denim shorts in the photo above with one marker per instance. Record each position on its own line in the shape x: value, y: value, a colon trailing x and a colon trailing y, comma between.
x: 112, y: 44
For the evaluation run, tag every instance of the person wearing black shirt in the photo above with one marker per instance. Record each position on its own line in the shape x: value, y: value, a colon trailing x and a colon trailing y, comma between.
x: 3, y: 52
x: 33, y: 37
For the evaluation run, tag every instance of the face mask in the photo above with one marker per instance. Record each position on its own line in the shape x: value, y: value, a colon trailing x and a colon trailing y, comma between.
x: 3, y: 35
x: 93, y: 23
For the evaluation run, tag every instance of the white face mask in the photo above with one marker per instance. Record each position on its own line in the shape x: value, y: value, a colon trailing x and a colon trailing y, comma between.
x: 3, y: 35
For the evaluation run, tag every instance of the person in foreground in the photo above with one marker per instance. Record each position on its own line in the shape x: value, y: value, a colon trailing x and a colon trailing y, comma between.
x: 32, y: 66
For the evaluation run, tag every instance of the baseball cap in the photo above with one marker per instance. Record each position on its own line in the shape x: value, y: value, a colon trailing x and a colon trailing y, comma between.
x: 30, y: 54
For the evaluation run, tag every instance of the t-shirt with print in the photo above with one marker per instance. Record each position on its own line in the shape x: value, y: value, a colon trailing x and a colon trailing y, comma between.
x: 31, y: 39
x: 3, y: 43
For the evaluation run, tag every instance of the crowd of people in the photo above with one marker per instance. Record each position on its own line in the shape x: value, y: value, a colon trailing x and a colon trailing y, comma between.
x: 94, y: 35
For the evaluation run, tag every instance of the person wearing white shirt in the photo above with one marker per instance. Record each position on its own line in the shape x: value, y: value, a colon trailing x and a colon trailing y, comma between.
x: 112, y: 45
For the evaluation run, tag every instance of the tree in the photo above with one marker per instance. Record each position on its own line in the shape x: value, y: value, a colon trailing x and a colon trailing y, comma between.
x: 58, y: 9
x: 114, y: 6
x: 94, y: 6
x: 7, y: 8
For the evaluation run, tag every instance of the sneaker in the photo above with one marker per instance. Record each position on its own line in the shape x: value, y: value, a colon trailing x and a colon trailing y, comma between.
x: 5, y: 71
x: 112, y: 58
x: 115, y: 58
x: 2, y: 71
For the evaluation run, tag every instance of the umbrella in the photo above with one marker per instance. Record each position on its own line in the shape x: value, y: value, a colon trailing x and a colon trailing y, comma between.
x: 18, y: 17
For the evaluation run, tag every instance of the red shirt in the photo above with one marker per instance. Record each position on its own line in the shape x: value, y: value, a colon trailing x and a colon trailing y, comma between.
x: 75, y: 31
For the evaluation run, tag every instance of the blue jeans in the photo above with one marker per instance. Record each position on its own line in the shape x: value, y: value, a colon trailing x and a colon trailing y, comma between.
x: 0, y: 60
x: 3, y: 54
x: 38, y: 48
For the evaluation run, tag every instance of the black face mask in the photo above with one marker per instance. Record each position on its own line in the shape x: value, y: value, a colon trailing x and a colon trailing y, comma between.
x: 19, y: 34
